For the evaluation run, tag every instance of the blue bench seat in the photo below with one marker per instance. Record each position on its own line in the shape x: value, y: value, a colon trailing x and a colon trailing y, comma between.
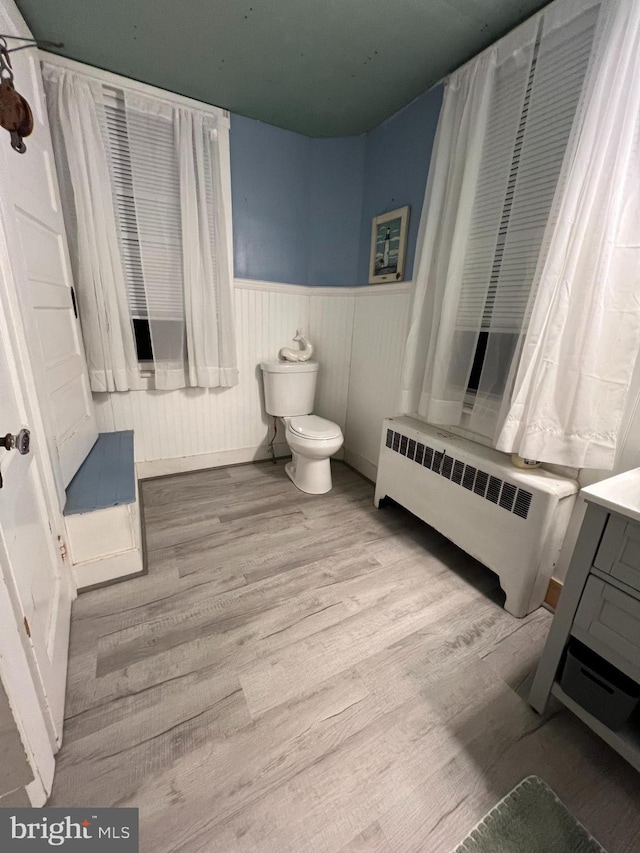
x: 107, y: 476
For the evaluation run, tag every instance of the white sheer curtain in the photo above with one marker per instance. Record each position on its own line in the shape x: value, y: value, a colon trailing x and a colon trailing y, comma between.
x: 584, y: 334
x: 460, y: 224
x: 208, y: 295
x: 152, y: 169
x: 530, y: 228
x: 74, y: 104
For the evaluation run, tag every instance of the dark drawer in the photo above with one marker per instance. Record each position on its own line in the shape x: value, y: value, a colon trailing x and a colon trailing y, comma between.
x: 599, y: 687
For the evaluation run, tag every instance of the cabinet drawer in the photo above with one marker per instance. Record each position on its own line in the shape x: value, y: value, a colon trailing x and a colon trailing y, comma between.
x: 608, y: 620
x: 619, y: 551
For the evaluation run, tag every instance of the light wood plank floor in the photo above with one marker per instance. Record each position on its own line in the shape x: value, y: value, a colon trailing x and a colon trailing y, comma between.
x: 304, y: 673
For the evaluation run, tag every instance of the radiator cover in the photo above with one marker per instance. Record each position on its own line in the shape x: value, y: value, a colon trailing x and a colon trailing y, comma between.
x: 511, y: 520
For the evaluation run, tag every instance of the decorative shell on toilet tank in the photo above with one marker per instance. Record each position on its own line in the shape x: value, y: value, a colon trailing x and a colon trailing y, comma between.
x: 289, y: 387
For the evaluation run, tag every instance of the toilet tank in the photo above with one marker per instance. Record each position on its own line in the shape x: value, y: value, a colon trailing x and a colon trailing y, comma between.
x: 289, y: 387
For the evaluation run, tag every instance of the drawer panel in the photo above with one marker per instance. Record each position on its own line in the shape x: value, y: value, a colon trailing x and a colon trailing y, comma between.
x: 619, y: 551
x: 610, y: 618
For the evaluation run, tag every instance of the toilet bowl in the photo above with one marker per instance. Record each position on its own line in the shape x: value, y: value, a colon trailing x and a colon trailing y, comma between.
x: 312, y: 440
x: 289, y: 393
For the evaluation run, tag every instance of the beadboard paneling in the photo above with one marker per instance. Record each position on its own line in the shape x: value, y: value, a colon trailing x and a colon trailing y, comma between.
x: 330, y: 330
x: 197, y: 421
x: 379, y: 334
x: 358, y: 338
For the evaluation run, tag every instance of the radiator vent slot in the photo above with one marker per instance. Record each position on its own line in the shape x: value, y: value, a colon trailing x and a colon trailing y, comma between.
x: 493, y: 491
x: 469, y: 477
x: 522, y: 504
x: 480, y: 485
x: 505, y: 495
x: 428, y: 457
x: 447, y: 467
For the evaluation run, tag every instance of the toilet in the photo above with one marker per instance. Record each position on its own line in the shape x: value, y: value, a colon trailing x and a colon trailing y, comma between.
x: 289, y: 393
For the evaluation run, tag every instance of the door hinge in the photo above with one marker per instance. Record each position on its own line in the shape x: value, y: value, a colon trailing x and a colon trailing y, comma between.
x: 26, y: 627
x: 73, y: 301
x: 63, y: 547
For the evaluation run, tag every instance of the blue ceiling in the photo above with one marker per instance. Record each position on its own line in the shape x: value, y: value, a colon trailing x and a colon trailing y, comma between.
x: 324, y: 68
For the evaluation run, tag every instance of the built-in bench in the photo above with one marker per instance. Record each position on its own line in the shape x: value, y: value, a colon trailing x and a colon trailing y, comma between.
x: 102, y: 513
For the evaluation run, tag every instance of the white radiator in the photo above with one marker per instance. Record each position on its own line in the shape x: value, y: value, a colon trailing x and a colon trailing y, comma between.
x: 511, y: 520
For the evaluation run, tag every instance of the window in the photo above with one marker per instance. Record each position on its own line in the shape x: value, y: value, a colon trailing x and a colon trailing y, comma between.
x: 147, y: 208
x: 520, y: 168
x: 116, y: 138
x: 148, y: 198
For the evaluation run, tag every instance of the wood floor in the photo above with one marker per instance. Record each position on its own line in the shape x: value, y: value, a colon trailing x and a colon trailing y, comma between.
x: 303, y: 673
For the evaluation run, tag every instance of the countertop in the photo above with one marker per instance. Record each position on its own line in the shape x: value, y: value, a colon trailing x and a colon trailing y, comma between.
x: 619, y: 494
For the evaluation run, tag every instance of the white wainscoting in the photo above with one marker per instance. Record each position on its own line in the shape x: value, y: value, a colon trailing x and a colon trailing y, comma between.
x: 357, y: 333
x: 379, y: 334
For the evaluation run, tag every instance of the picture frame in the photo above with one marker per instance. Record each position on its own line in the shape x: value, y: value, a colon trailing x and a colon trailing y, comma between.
x: 388, y: 246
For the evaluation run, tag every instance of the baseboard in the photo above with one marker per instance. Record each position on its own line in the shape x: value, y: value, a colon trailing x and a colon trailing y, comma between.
x: 361, y: 465
x: 553, y: 594
x: 181, y: 464
x: 115, y: 567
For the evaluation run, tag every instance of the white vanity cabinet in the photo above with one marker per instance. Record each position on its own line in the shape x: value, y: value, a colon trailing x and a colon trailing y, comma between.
x: 600, y: 603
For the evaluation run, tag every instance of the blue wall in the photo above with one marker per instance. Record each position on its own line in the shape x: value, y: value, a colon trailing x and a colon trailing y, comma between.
x: 270, y: 197
x: 302, y: 207
x: 337, y: 175
x: 397, y: 157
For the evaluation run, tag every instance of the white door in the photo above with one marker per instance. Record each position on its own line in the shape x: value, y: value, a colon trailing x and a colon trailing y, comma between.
x: 41, y: 271
x: 43, y: 386
x: 35, y: 593
x: 35, y: 599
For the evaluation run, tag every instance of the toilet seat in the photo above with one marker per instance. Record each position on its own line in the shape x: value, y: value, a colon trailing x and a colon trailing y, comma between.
x: 312, y: 426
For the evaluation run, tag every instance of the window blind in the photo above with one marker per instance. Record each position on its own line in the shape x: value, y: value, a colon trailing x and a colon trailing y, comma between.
x: 521, y: 165
x: 147, y: 206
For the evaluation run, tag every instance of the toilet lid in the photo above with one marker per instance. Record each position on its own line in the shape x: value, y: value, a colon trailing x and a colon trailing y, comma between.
x: 311, y: 426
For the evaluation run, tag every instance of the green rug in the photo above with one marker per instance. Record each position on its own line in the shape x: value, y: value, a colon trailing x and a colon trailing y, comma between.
x: 531, y: 819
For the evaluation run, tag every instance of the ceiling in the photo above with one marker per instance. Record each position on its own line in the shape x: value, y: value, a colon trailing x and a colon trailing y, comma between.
x: 319, y: 67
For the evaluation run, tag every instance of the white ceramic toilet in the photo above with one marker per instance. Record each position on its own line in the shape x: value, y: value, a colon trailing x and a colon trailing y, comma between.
x: 289, y: 393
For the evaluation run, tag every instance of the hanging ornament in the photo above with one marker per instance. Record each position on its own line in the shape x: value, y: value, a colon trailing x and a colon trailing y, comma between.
x: 15, y: 112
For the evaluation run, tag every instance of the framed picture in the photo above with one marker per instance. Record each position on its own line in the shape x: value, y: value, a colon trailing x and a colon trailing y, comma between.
x: 388, y: 246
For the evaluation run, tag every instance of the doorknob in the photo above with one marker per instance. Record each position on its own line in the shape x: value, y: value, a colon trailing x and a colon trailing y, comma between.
x: 19, y: 442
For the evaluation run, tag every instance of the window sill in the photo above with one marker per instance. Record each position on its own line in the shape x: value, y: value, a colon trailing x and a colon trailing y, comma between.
x: 464, y: 431
x: 147, y: 375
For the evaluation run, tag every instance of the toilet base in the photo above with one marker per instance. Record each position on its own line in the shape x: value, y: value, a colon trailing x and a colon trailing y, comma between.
x: 312, y: 476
